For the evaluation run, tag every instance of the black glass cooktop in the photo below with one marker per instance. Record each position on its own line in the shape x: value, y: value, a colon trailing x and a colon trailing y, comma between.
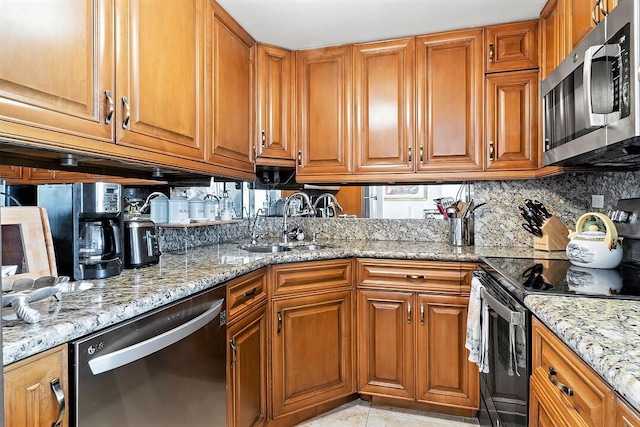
x: 524, y: 276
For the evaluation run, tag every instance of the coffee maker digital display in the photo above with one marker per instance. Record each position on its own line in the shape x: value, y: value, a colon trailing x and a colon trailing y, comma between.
x: 86, y: 222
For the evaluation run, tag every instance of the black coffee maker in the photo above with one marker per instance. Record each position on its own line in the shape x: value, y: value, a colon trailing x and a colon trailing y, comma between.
x: 86, y: 221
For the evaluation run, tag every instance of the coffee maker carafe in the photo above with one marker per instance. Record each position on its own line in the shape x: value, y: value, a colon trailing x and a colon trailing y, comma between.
x: 86, y: 223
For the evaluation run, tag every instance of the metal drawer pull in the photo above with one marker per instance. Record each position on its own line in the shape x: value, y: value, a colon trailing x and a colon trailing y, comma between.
x: 279, y: 321
x: 491, y: 151
x: 235, y: 353
x: 264, y: 139
x: 299, y: 158
x: 127, y: 114
x: 409, y: 313
x: 57, y: 390
x: 422, y: 313
x: 563, y: 388
x: 415, y: 276
x: 409, y: 154
x: 109, y: 115
x: 491, y: 53
x: 142, y: 349
x: 250, y: 293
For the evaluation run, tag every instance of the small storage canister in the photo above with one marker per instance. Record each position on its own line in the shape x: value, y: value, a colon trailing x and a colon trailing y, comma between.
x: 196, y: 208
x: 211, y: 207
x: 159, y: 209
x: 178, y: 210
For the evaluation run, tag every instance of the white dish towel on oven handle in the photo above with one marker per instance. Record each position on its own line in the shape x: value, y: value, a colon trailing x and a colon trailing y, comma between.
x: 478, y: 327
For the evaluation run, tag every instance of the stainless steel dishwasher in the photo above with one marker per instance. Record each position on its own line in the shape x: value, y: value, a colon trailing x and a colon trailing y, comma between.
x: 165, y: 368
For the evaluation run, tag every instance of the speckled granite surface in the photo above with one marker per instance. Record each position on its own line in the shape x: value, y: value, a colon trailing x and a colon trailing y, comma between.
x: 134, y: 292
x: 605, y: 333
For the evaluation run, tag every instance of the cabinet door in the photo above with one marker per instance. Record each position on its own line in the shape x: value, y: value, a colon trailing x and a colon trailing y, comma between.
x: 449, y: 105
x: 51, y: 175
x: 384, y: 76
x: 445, y: 375
x: 233, y: 94
x: 542, y: 413
x: 12, y: 174
x: 324, y: 124
x: 29, y: 396
x: 386, y: 343
x: 512, y: 121
x: 247, y: 373
x: 626, y: 416
x: 312, y: 350
x: 56, y: 65
x: 275, y: 103
x: 160, y: 69
x: 512, y: 46
x: 551, y: 37
x: 580, y: 22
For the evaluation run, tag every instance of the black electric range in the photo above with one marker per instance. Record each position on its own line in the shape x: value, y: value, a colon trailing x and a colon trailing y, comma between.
x: 526, y: 276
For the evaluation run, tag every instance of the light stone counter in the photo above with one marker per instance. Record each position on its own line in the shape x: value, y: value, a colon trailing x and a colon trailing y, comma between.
x: 177, y: 276
x: 605, y: 333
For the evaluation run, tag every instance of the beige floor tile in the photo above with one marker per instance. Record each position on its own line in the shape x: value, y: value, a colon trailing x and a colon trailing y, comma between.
x: 353, y: 414
x: 391, y: 418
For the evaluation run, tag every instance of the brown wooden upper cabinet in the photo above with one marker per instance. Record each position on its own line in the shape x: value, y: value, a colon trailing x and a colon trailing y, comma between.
x: 324, y: 111
x: 551, y: 37
x: 582, y: 18
x: 56, y: 72
x: 449, y: 105
x: 384, y: 87
x: 233, y: 93
x: 160, y: 76
x: 512, y: 46
x: 275, y: 144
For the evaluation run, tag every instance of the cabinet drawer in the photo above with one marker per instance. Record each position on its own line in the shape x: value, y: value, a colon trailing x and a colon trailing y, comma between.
x: 626, y: 416
x: 434, y: 277
x: 244, y: 293
x: 574, y: 387
x: 311, y: 277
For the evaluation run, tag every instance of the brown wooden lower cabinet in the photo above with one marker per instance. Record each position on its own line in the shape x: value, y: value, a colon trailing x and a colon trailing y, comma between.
x: 311, y: 331
x: 247, y: 373
x: 30, y: 388
x: 411, y: 341
x: 564, y: 391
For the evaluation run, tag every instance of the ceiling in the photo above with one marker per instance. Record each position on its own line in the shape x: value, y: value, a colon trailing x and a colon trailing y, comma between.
x: 302, y: 24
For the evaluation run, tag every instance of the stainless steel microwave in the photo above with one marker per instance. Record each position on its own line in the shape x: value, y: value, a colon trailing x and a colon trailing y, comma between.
x: 591, y: 101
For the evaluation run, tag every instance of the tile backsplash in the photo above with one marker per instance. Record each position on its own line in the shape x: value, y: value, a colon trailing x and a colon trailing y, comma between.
x: 498, y: 223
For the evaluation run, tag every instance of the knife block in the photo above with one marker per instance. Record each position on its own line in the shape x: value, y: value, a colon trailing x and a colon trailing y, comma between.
x: 555, y: 236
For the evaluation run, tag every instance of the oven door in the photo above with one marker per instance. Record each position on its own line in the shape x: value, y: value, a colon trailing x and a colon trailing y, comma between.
x: 505, y: 388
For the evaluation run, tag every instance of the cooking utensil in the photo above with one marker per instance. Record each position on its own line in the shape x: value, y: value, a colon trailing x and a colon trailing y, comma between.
x: 593, y: 248
x: 529, y: 216
x: 542, y: 209
x: 533, y: 229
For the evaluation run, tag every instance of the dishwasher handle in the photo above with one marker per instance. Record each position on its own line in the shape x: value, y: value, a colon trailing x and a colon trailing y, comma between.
x: 515, y: 318
x: 118, y: 358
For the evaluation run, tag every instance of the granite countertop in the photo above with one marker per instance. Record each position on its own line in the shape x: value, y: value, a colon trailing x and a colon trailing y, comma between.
x: 605, y: 333
x: 178, y: 275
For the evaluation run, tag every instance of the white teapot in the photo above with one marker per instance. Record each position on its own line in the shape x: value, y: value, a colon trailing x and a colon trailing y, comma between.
x: 593, y: 248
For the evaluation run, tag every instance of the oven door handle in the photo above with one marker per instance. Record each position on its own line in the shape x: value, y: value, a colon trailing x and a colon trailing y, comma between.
x: 142, y: 349
x: 513, y: 317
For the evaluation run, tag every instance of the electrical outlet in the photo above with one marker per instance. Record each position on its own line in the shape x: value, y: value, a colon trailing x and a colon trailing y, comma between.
x: 597, y: 201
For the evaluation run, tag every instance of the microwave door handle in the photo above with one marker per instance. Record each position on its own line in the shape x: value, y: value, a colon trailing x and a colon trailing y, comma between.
x: 142, y: 349
x: 592, y: 120
x: 596, y: 119
x: 513, y: 317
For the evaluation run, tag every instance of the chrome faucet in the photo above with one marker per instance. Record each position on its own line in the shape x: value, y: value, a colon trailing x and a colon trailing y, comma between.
x: 252, y: 230
x: 309, y: 210
x: 331, y: 203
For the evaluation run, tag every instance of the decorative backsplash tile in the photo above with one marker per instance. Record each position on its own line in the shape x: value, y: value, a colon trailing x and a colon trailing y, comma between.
x: 496, y: 224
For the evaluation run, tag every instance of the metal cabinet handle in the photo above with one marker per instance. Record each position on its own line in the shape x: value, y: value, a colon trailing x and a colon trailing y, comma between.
x: 409, y: 313
x: 109, y: 115
x: 127, y: 114
x: 250, y: 293
x: 410, y: 154
x: 235, y: 353
x: 594, y: 13
x: 563, y: 388
x: 264, y: 138
x: 415, y: 276
x: 279, y: 321
x: 300, y: 158
x: 422, y: 313
x: 491, y: 52
x: 142, y: 349
x: 491, y: 151
x: 421, y: 155
x: 57, y: 390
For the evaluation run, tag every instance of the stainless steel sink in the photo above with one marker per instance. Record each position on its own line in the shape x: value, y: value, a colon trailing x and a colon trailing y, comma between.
x: 264, y: 247
x: 309, y: 247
